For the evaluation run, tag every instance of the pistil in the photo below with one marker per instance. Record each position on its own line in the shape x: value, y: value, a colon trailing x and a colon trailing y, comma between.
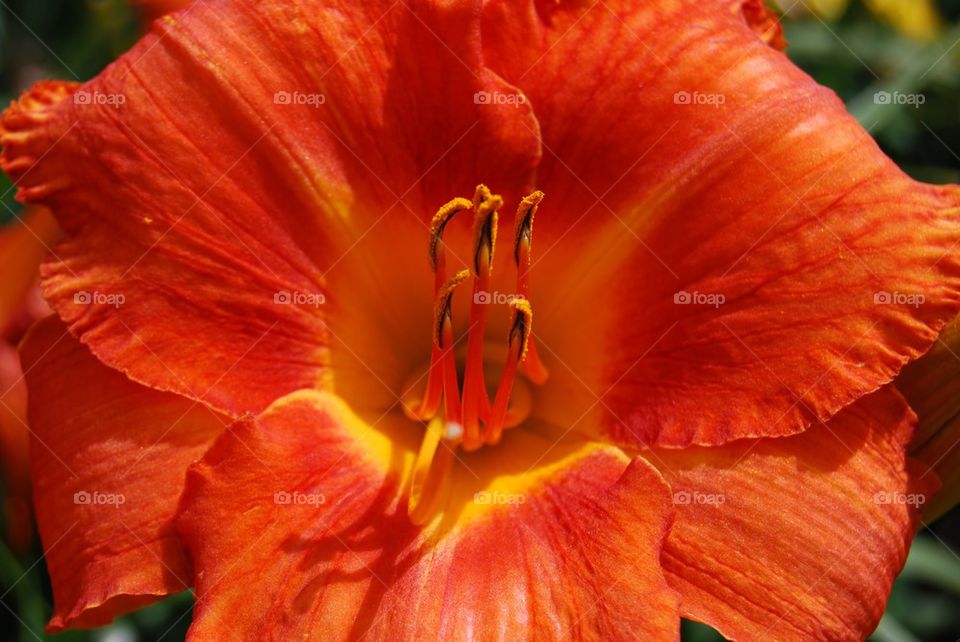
x: 443, y: 341
x: 430, y: 472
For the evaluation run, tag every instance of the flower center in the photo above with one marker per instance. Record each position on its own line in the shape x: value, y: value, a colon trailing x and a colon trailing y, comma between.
x: 466, y: 417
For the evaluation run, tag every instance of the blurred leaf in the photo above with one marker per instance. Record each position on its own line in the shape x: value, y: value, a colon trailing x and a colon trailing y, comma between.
x: 24, y: 587
x: 691, y: 631
x: 9, y: 205
x: 889, y: 630
x: 910, y: 79
x: 932, y: 562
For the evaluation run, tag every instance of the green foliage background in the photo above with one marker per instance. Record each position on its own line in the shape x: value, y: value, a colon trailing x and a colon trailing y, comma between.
x: 856, y: 56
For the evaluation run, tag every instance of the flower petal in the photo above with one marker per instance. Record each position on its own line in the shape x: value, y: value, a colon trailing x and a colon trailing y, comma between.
x: 297, y: 529
x: 686, y: 158
x: 107, y: 457
x: 798, y: 538
x: 24, y: 243
x: 236, y: 170
x: 931, y: 385
x: 14, y: 450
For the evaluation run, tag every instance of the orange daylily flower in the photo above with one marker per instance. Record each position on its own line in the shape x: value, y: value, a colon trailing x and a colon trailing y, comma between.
x: 643, y: 375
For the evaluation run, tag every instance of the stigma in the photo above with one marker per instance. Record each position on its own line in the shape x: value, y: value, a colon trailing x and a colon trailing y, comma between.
x: 464, y: 417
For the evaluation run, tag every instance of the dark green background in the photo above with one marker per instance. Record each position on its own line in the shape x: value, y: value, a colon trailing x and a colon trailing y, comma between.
x: 856, y: 56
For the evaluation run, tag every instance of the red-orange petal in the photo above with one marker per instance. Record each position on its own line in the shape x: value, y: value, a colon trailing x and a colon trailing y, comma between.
x: 931, y: 385
x: 24, y: 243
x: 108, y: 459
x: 750, y: 260
x: 224, y: 184
x: 14, y: 449
x: 798, y: 538
x: 763, y: 20
x: 297, y: 530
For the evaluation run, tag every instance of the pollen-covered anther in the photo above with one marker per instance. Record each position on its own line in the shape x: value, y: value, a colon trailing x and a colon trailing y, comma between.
x: 517, y: 349
x: 485, y: 233
x: 523, y: 229
x: 442, y: 374
x: 439, y: 223
x: 520, y: 331
x: 442, y: 310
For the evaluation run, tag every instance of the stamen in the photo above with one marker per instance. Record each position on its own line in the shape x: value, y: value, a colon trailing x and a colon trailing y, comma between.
x: 430, y: 474
x: 517, y: 350
x: 522, y: 250
x: 459, y: 422
x: 423, y: 409
x: 443, y: 340
x: 428, y: 405
x: 475, y: 400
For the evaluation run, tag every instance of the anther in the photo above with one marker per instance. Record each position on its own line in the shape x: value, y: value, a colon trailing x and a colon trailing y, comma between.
x: 442, y: 376
x: 442, y: 309
x: 517, y: 351
x: 485, y: 234
x: 437, y: 226
x: 523, y: 231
